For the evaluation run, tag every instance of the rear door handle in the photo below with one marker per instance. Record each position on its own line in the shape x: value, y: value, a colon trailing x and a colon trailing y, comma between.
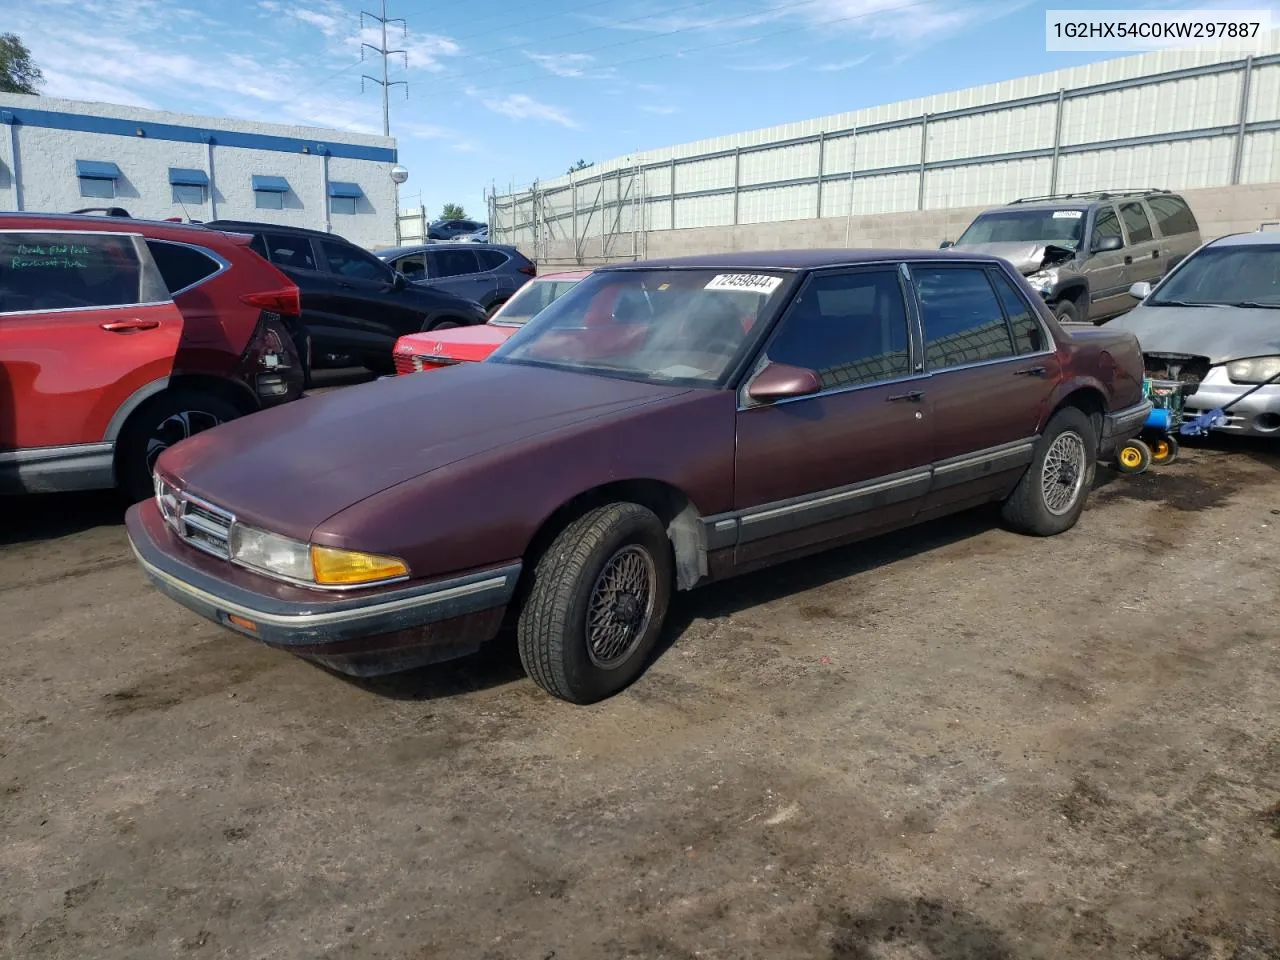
x: 914, y: 396
x: 1155, y: 254
x: 129, y: 326
x: 1030, y: 372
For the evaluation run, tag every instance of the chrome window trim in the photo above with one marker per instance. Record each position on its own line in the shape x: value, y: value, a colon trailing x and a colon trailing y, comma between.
x: 223, y: 264
x: 121, y: 306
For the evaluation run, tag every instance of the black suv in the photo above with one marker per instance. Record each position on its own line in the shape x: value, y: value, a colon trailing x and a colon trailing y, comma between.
x: 448, y: 229
x: 354, y: 306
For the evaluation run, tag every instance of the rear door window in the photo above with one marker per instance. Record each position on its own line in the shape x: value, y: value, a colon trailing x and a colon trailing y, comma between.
x: 180, y: 265
x: 963, y: 320
x: 70, y: 271
x: 452, y: 263
x: 291, y: 251
x: 1028, y: 334
x: 414, y: 266
x: 1135, y: 222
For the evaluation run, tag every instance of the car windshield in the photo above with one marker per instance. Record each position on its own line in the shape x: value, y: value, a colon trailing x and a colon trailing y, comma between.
x: 1226, y: 275
x: 658, y: 326
x: 534, y: 297
x: 1062, y: 228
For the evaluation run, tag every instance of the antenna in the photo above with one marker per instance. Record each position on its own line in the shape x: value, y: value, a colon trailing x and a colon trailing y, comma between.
x: 384, y: 53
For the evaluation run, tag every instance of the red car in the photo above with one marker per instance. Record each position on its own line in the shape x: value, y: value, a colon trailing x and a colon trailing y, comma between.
x: 428, y: 351
x: 119, y: 337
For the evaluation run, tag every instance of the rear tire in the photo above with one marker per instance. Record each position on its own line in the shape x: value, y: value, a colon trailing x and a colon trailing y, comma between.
x: 158, y: 424
x: 1051, y: 495
x: 596, y: 604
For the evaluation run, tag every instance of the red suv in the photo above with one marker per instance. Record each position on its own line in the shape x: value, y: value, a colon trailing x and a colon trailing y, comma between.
x: 119, y: 338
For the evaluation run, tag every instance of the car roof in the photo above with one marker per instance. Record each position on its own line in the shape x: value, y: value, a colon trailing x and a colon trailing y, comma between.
x: 438, y: 244
x: 808, y: 259
x: 195, y: 232
x: 257, y: 225
x: 1258, y: 238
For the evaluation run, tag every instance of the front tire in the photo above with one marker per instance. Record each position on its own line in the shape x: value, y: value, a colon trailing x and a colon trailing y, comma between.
x: 597, y: 603
x: 1051, y: 495
x: 1066, y: 312
x: 157, y: 425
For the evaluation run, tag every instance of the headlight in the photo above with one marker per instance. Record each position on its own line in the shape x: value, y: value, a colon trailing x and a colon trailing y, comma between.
x: 334, y: 567
x: 1253, y: 370
x: 280, y: 556
x: 270, y: 553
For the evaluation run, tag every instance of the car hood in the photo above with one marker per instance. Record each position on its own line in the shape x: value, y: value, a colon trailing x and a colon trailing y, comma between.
x: 1219, y: 333
x: 290, y: 468
x: 1027, y: 257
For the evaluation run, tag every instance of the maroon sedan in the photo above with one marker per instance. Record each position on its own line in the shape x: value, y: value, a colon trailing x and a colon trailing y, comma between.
x: 661, y: 426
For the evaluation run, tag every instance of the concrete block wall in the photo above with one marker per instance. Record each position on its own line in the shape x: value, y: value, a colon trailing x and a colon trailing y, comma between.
x: 1219, y: 210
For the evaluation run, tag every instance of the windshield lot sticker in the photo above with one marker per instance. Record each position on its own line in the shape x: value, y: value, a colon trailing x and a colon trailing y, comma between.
x: 1068, y: 214
x: 746, y: 282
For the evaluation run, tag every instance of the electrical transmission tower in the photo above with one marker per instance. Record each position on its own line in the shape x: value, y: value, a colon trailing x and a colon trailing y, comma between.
x: 382, y: 51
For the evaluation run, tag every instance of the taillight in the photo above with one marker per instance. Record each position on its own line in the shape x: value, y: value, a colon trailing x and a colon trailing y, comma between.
x: 270, y: 364
x: 285, y: 300
x: 530, y: 269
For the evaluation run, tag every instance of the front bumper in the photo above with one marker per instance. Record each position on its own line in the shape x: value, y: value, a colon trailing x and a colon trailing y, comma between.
x: 376, y: 632
x: 1121, y: 425
x: 1257, y: 415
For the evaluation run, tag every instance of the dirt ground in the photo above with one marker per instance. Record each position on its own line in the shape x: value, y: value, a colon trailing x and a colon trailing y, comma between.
x: 952, y: 743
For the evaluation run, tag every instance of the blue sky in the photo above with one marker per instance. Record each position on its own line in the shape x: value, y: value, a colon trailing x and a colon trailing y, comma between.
x: 502, y: 92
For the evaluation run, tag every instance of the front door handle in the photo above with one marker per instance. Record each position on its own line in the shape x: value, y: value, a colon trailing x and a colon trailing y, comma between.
x: 129, y: 326
x: 1128, y: 260
x: 1030, y: 372
x: 914, y: 396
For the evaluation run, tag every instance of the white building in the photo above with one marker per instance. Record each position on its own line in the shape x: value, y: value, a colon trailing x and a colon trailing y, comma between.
x: 63, y: 155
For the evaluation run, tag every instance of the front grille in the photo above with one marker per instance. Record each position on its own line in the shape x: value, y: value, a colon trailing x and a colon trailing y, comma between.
x: 424, y: 363
x: 1187, y: 369
x: 198, y: 522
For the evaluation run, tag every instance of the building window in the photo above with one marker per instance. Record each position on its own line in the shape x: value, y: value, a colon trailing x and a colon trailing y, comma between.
x: 268, y: 192
x: 344, y: 197
x: 97, y: 178
x: 93, y: 187
x: 188, y: 194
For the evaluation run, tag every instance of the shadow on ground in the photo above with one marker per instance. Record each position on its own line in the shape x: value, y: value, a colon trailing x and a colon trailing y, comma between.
x: 45, y: 516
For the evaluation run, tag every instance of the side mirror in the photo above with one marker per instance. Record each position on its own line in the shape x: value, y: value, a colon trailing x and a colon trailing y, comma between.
x: 1140, y: 290
x: 781, y: 381
x: 946, y: 243
x: 1106, y: 244
x: 397, y: 280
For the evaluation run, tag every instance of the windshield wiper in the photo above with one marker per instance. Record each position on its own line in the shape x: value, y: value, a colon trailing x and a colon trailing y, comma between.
x: 1257, y: 303
x: 1178, y: 303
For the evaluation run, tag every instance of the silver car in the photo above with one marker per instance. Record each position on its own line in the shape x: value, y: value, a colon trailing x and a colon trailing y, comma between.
x: 1214, y: 323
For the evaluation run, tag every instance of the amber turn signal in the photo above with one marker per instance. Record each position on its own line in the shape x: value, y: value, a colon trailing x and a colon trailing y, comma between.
x: 345, y: 568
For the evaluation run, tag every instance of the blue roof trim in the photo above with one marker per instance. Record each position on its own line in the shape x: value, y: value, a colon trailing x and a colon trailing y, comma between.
x: 270, y: 184
x: 187, y: 177
x: 97, y: 170
x: 338, y: 188
x: 85, y: 123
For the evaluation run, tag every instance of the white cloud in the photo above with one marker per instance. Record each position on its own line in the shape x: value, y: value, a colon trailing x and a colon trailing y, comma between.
x: 839, y: 65
x: 568, y: 64
x: 429, y: 131
x: 905, y: 22
x: 770, y: 66
x: 520, y: 106
x: 660, y: 109
x: 422, y: 51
